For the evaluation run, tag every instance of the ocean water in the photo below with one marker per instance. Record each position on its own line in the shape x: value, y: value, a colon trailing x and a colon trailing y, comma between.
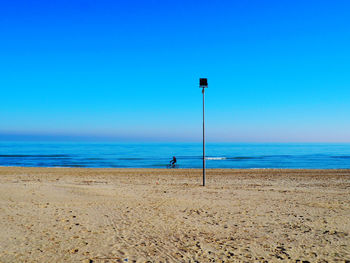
x: 189, y: 155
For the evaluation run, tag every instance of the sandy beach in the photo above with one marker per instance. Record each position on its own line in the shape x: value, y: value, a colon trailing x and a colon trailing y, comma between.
x: 146, y: 215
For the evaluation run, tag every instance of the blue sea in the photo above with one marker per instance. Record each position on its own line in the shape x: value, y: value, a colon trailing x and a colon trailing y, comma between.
x: 189, y: 155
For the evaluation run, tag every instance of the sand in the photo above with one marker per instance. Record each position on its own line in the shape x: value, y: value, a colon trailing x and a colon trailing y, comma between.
x: 148, y: 215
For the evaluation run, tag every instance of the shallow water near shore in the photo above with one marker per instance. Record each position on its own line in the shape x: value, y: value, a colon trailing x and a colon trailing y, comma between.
x: 189, y: 155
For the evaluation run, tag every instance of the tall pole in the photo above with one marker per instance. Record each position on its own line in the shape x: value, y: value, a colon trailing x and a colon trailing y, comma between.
x: 203, y: 83
x: 203, y: 141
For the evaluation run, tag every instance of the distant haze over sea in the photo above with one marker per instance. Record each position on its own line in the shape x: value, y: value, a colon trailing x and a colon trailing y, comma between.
x: 174, y: 137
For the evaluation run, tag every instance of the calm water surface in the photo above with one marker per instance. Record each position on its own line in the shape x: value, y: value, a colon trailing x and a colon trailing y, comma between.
x: 158, y: 155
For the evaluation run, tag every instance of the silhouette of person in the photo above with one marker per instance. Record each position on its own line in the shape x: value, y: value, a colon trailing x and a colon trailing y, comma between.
x: 173, y: 161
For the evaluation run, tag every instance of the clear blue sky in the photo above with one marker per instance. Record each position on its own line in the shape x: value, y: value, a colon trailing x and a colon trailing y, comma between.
x: 278, y: 71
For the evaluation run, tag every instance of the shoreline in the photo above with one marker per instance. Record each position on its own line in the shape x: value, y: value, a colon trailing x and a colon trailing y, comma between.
x: 126, y: 214
x: 13, y: 170
x: 175, y: 169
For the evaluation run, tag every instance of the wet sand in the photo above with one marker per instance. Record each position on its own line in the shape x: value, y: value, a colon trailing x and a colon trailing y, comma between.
x: 140, y: 215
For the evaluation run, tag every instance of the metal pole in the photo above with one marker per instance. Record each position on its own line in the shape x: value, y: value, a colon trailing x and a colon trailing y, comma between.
x: 203, y: 143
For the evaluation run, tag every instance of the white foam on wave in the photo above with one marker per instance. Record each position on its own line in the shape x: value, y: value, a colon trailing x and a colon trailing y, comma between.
x: 215, y: 158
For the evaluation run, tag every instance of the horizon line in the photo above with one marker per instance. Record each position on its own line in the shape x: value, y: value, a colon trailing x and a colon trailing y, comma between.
x: 121, y: 139
x: 156, y: 138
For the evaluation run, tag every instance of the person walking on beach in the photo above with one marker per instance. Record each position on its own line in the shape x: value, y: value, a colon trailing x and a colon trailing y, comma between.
x: 172, y: 162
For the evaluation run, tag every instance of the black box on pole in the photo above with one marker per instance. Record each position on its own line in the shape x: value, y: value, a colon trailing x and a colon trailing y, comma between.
x: 203, y: 83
